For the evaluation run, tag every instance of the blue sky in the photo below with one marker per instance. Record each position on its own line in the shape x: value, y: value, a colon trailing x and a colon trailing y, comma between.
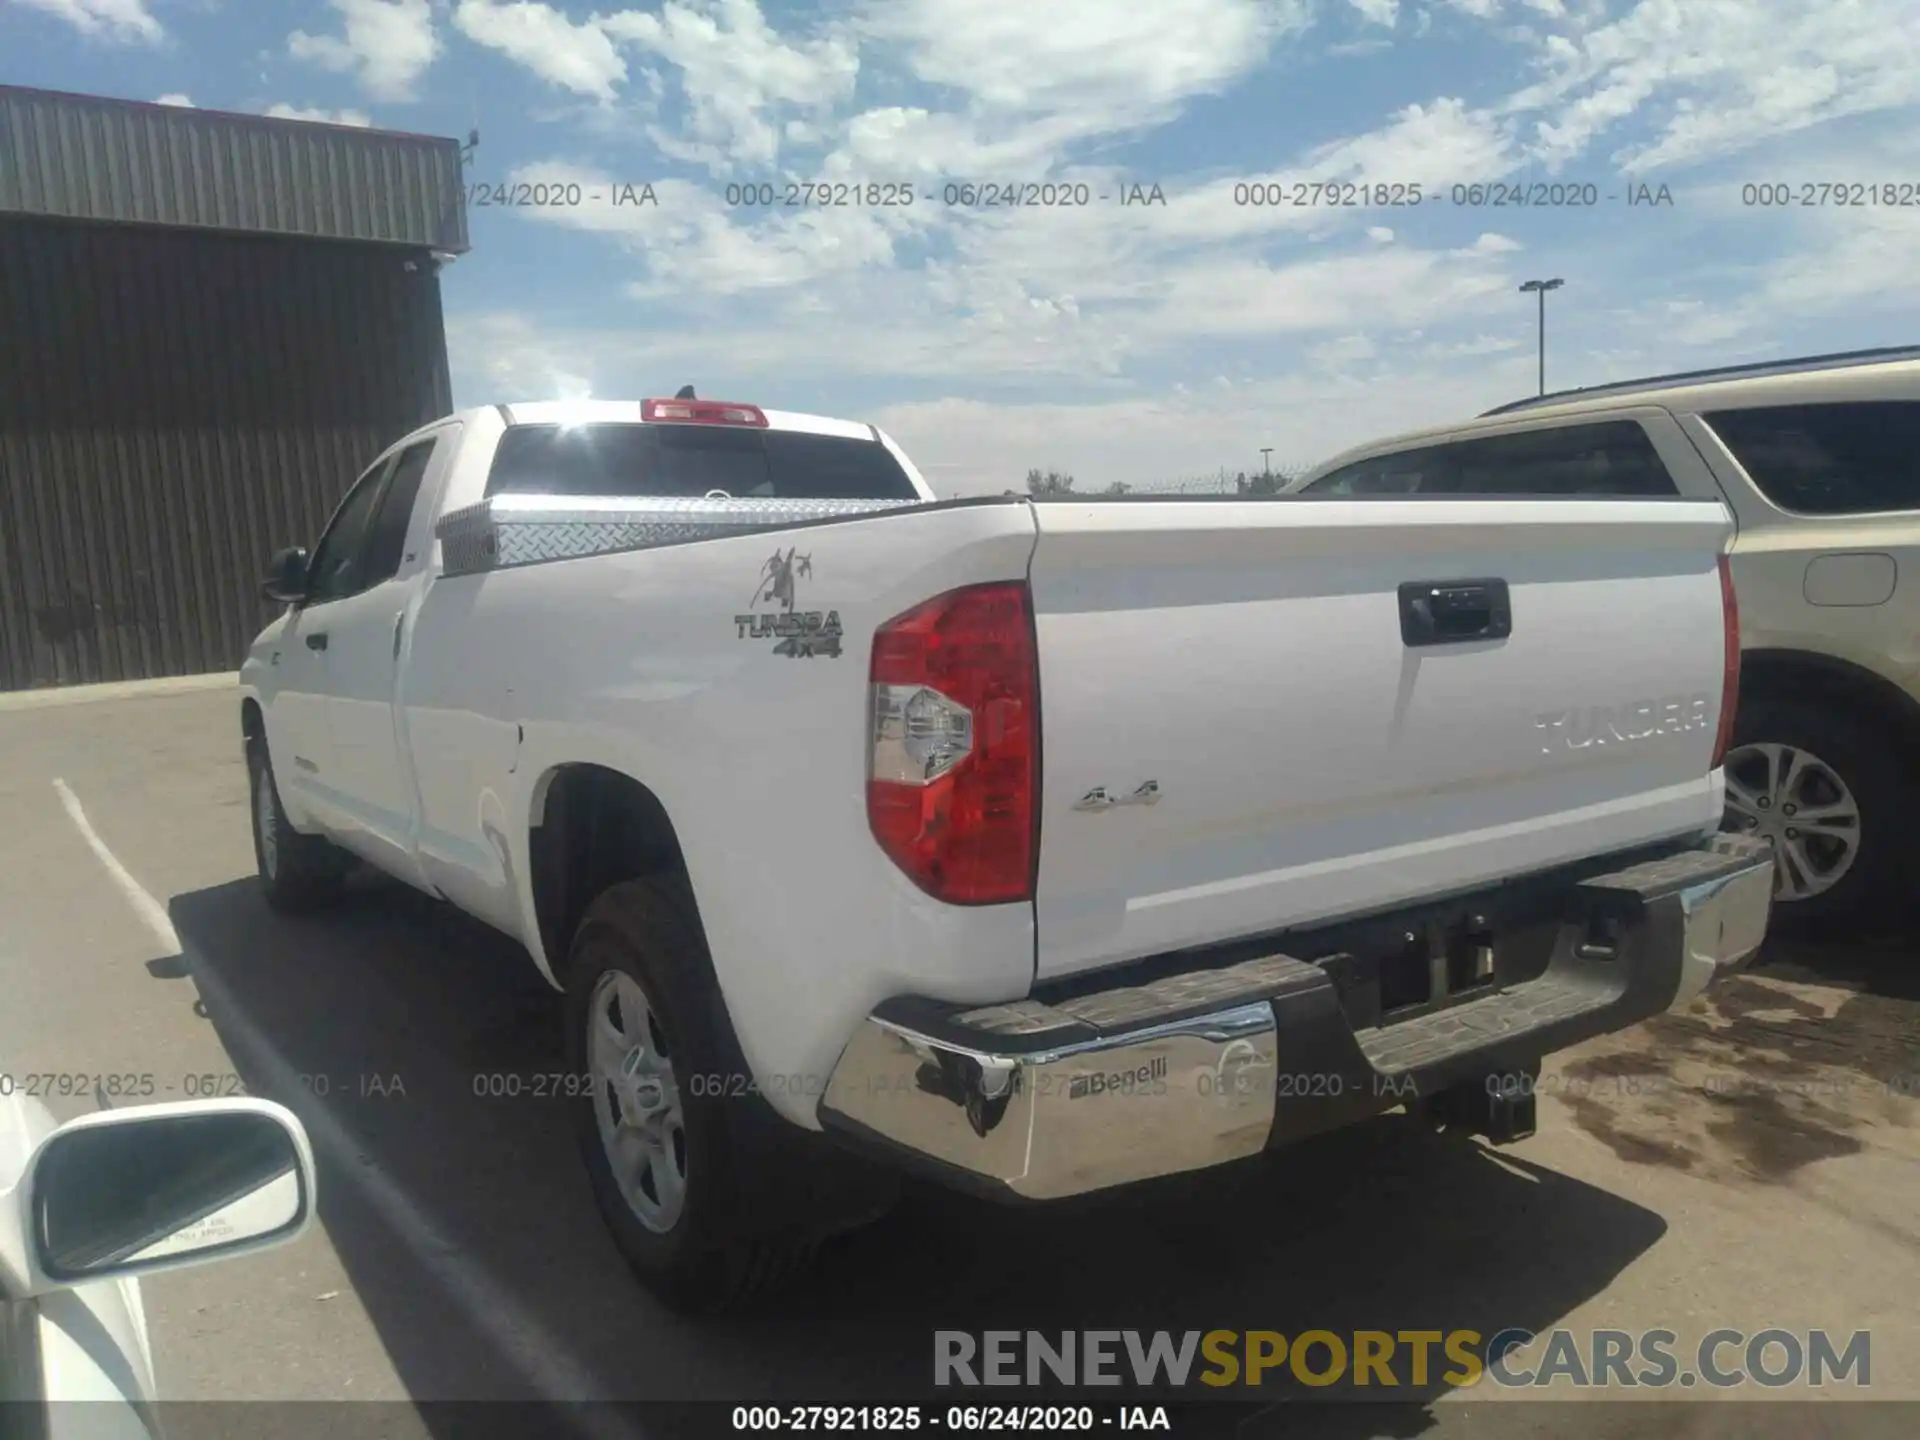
x: 1136, y: 343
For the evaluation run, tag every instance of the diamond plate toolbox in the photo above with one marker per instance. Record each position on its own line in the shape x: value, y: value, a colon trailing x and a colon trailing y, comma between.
x: 506, y: 531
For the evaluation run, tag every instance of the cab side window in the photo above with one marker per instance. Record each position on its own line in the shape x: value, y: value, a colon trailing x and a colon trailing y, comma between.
x: 387, y: 536
x: 335, y: 570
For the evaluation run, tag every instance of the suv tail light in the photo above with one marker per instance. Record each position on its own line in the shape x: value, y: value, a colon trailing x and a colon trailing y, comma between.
x: 1730, y: 673
x: 955, y: 744
x: 702, y: 412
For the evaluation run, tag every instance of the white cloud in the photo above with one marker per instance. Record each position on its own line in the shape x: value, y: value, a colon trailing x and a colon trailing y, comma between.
x: 1727, y: 75
x: 581, y: 58
x: 284, y: 111
x: 1378, y: 12
x: 735, y: 70
x: 1491, y: 244
x: 389, y: 44
x: 124, y: 20
x: 1398, y: 288
x: 1371, y: 46
x: 1342, y: 352
x: 185, y: 102
x: 1435, y: 144
x: 939, y: 145
x: 506, y: 356
x: 1119, y: 64
x: 1478, y: 345
x: 1380, y: 234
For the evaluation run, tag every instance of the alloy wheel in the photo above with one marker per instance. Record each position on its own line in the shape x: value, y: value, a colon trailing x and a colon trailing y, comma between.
x: 1796, y: 801
x: 636, y: 1101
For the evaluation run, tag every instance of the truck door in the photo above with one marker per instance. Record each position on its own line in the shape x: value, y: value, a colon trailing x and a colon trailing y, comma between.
x: 373, y: 784
x: 299, y: 731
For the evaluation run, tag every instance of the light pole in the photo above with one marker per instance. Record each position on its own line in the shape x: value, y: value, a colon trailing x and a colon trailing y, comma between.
x: 1540, y: 288
x: 1266, y: 467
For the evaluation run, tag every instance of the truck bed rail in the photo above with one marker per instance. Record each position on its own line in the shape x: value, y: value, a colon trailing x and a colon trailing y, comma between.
x: 506, y: 531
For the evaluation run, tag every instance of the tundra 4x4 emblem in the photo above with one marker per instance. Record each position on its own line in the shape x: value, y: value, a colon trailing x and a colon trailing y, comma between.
x: 1099, y: 798
x: 802, y: 634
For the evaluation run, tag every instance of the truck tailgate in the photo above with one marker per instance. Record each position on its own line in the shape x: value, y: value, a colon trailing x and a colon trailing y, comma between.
x: 1238, y: 736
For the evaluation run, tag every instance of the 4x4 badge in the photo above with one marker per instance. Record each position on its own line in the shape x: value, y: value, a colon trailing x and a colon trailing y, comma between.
x: 801, y: 634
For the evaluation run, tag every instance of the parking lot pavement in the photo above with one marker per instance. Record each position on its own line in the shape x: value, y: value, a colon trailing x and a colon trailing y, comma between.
x: 1752, y: 1163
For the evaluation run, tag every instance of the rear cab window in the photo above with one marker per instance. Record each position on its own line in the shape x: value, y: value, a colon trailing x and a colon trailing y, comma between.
x: 1854, y: 458
x: 1610, y: 458
x: 638, y: 459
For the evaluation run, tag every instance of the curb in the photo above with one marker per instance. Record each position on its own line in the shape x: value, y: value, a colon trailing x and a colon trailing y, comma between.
x: 55, y: 696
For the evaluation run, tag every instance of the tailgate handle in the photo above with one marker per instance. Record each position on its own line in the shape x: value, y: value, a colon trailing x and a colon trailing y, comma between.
x: 1450, y: 612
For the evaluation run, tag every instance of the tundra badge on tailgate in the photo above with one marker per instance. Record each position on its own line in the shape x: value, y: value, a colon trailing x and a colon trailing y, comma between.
x: 802, y: 634
x: 1622, y: 724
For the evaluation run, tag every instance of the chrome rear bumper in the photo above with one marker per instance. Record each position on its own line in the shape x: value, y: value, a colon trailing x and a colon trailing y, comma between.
x: 1041, y: 1101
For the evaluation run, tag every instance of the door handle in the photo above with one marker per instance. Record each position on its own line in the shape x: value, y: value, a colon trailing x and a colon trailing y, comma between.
x: 1452, y: 612
x: 399, y: 624
x: 317, y: 640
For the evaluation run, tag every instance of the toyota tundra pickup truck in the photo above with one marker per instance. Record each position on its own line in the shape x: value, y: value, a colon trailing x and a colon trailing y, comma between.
x: 1037, y: 846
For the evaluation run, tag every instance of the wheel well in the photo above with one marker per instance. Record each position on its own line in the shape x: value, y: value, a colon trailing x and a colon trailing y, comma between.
x: 595, y: 828
x: 1796, y: 674
x: 253, y: 725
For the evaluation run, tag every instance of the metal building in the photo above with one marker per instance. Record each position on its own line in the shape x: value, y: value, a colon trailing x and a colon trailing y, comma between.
x: 208, y: 324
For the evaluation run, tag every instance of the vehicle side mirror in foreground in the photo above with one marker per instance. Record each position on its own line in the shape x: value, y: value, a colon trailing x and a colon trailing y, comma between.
x: 158, y: 1187
x: 286, y: 580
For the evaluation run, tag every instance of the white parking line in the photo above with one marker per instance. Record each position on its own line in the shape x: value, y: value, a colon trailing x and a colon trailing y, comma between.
x: 554, y: 1374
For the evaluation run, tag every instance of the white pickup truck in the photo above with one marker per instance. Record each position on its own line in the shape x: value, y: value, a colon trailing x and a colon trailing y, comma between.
x: 1041, y: 847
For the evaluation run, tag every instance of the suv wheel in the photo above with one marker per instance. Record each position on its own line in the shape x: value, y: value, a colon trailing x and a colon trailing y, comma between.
x: 1829, y: 791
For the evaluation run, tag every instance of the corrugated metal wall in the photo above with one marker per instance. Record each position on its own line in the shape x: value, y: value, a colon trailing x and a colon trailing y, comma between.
x: 173, y: 407
x: 86, y: 157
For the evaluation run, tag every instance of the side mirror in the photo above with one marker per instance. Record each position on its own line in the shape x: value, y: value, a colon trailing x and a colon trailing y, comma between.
x: 125, y: 1192
x: 286, y: 580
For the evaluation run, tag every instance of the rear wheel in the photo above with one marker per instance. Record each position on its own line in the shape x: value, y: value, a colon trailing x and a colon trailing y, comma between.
x: 298, y: 873
x: 680, y: 1151
x: 1831, y: 793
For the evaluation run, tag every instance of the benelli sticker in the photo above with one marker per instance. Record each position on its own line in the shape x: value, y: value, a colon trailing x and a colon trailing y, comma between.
x: 799, y: 634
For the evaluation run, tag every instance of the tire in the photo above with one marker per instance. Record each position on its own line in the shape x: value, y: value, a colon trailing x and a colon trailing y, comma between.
x: 756, y: 1193
x: 1792, y: 754
x: 298, y: 873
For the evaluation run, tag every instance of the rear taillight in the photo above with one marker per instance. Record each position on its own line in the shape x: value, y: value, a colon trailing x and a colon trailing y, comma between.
x: 1730, y: 673
x: 955, y: 744
x: 702, y: 412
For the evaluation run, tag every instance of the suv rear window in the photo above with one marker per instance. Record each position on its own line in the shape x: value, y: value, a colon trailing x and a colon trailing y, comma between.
x: 1829, y: 459
x: 1611, y: 458
x: 691, y: 460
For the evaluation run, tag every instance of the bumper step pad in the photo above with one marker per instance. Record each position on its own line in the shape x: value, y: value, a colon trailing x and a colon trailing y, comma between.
x: 1428, y: 1040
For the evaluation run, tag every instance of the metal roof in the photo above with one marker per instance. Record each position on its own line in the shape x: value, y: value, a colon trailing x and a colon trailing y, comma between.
x: 87, y: 157
x: 1806, y: 364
